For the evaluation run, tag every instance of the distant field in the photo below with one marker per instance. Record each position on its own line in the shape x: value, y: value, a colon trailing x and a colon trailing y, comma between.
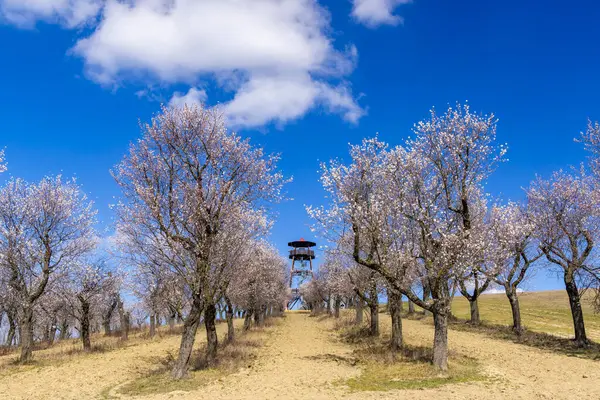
x: 541, y: 312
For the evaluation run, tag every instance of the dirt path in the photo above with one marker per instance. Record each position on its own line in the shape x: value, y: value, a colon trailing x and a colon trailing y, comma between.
x: 302, y: 359
x: 300, y: 363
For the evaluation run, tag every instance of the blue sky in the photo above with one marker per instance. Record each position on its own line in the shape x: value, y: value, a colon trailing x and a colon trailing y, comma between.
x: 303, y: 79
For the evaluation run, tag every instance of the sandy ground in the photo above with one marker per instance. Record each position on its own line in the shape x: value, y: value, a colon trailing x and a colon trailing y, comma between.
x: 301, y: 361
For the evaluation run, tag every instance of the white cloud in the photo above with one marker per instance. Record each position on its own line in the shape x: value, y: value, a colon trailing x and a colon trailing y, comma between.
x: 274, y: 54
x: 280, y: 99
x: 69, y: 13
x: 276, y: 58
x: 377, y: 12
x: 193, y: 97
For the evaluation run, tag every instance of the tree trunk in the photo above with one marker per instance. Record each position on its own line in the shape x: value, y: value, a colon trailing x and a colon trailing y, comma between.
x: 85, y: 325
x: 107, y: 317
x: 374, y: 308
x: 359, y: 312
x: 212, y: 341
x: 426, y: 296
x: 261, y: 316
x: 395, y: 307
x: 247, y: 320
x: 576, y: 311
x: 337, y: 305
x: 188, y: 336
x: 229, y: 316
x: 26, y: 334
x: 172, y: 322
x: 12, y: 329
x: 411, y: 307
x: 475, y: 320
x: 440, y: 341
x: 513, y: 299
x: 52, y: 333
x: 64, y: 330
x: 152, y: 325
x: 374, y: 327
x: 124, y: 321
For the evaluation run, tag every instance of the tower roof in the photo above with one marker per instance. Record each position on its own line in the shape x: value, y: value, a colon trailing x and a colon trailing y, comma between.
x: 302, y: 243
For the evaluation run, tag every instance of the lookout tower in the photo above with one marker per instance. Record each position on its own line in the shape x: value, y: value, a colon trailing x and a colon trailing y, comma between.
x: 301, y: 256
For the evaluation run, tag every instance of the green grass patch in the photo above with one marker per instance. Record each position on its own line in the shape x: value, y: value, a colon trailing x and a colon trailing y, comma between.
x: 407, y: 374
x: 409, y: 368
x: 161, y: 382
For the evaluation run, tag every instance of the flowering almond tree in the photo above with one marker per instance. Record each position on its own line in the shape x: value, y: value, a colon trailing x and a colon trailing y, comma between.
x: 44, y: 229
x: 261, y: 285
x: 591, y: 139
x: 87, y: 281
x: 182, y: 182
x: 512, y: 250
x: 2, y: 161
x: 416, y: 211
x: 564, y: 210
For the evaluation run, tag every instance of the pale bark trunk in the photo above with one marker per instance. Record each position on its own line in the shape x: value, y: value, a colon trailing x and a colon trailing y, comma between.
x: 188, y: 336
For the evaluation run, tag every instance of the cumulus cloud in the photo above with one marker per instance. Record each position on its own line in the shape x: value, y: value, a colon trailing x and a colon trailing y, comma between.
x: 69, y: 13
x: 275, y: 58
x: 377, y: 12
x: 281, y: 99
x: 194, y: 96
x: 275, y: 55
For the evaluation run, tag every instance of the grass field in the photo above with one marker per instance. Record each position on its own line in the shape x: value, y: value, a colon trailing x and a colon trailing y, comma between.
x: 546, y: 312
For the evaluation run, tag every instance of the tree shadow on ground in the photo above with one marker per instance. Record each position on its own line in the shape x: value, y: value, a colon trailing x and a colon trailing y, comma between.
x: 538, y: 340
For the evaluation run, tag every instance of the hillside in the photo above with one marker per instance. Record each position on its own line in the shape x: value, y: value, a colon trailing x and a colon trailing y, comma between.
x: 300, y: 356
x: 546, y: 312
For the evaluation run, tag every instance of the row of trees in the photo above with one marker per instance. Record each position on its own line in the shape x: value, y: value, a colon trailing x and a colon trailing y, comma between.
x: 195, y: 206
x: 415, y: 221
x: 189, y: 241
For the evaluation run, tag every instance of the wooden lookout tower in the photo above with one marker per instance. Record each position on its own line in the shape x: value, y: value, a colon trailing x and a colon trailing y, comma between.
x: 302, y: 268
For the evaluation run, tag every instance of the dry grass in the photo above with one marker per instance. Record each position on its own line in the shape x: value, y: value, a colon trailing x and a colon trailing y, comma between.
x: 409, y: 368
x: 544, y: 312
x: 538, y: 340
x: 232, y: 357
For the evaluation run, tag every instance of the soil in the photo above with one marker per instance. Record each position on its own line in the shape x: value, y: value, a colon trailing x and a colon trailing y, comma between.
x: 304, y: 359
